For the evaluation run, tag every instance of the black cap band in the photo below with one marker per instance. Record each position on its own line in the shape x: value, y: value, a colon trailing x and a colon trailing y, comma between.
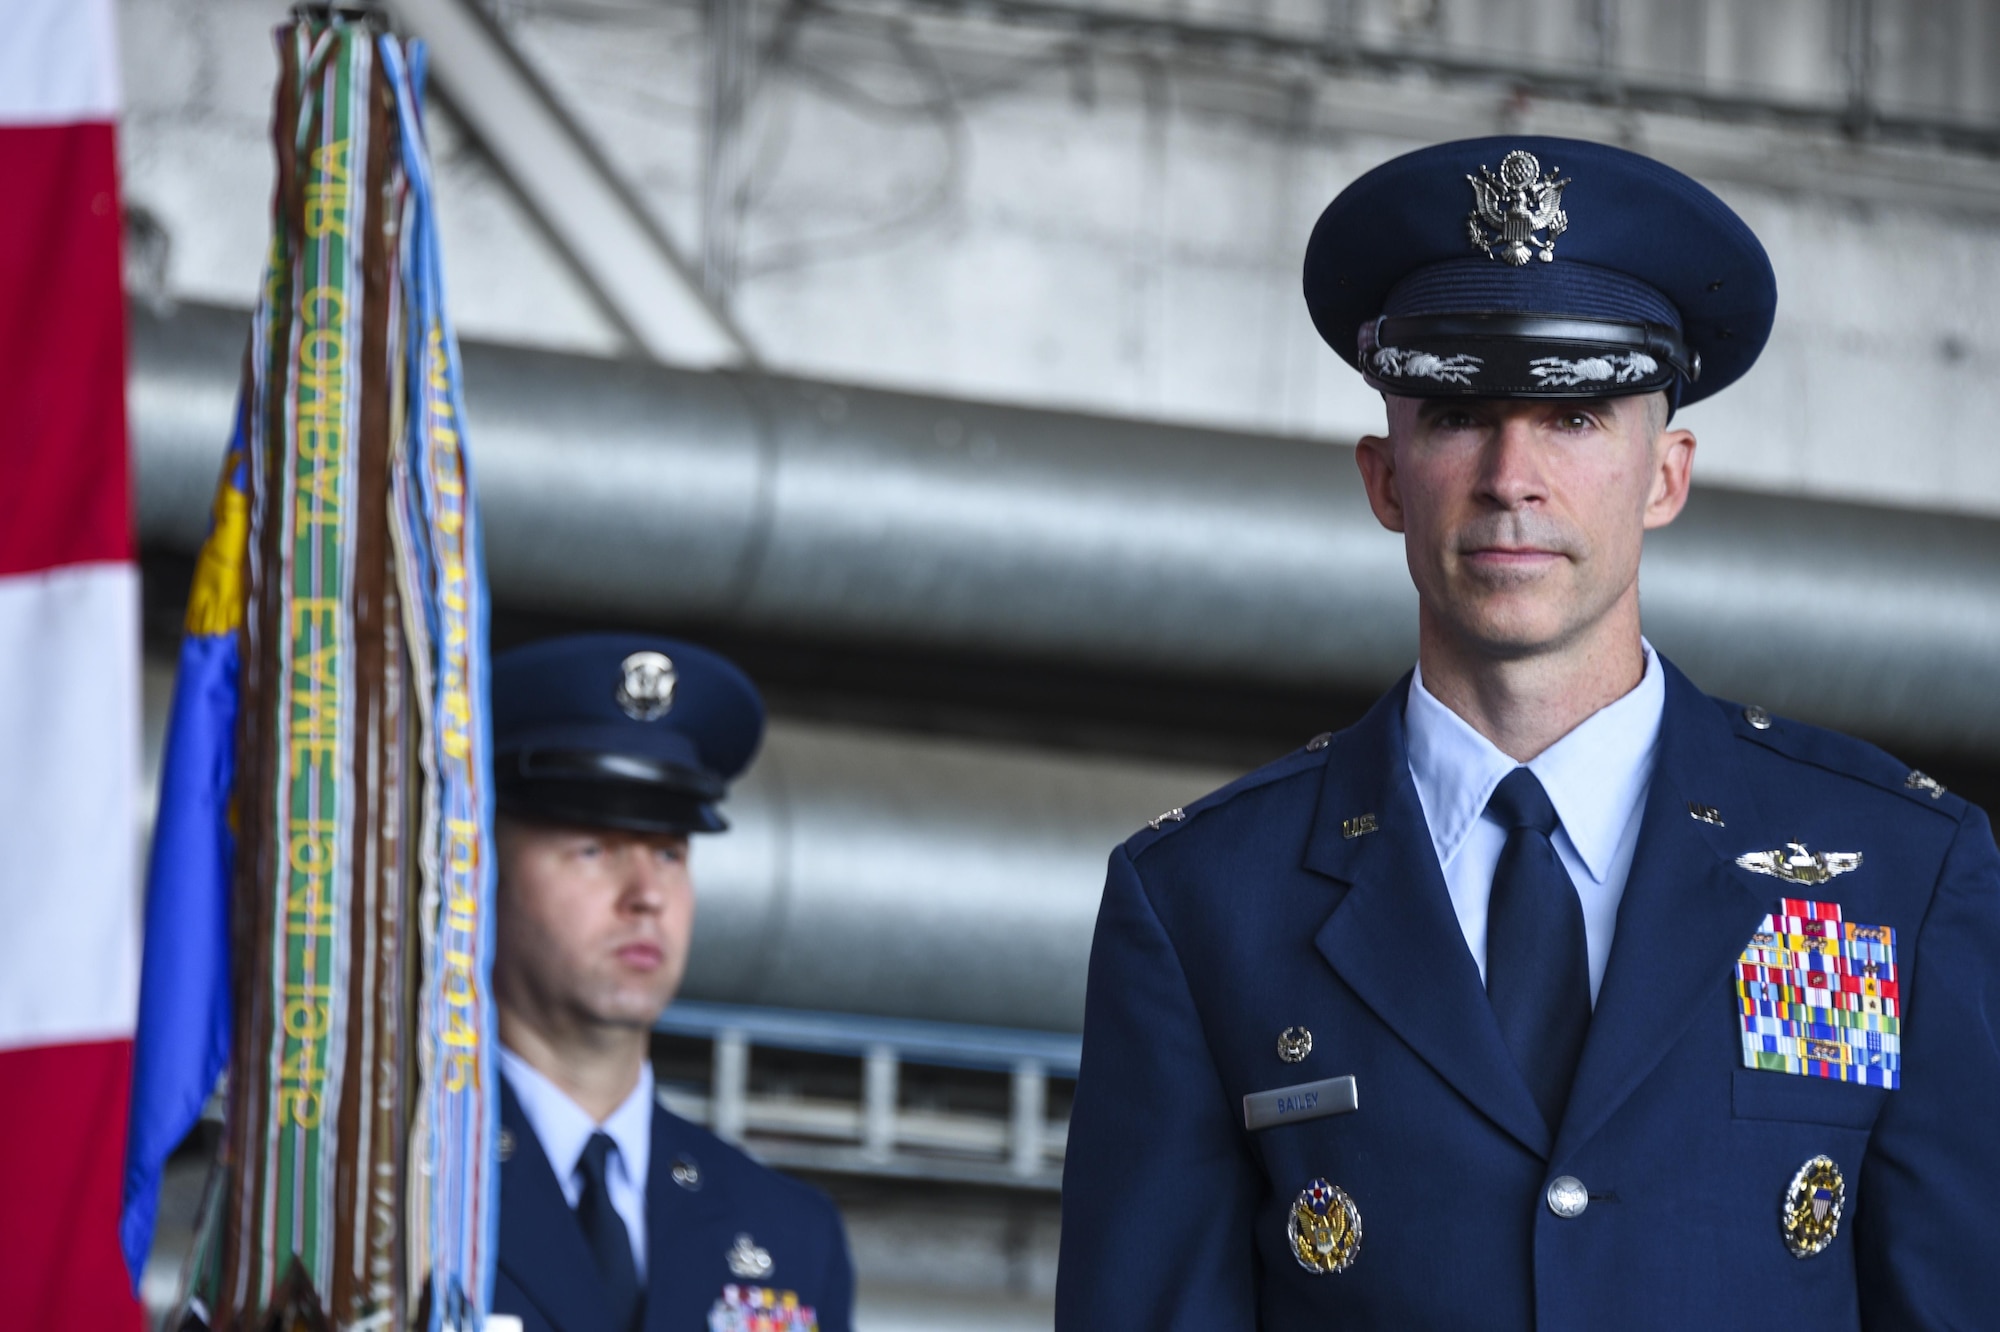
x: 1522, y: 356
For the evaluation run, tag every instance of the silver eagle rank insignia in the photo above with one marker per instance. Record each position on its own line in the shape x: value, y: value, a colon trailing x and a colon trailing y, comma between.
x: 1510, y: 210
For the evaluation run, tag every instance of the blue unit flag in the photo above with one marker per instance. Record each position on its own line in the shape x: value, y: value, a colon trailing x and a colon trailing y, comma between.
x: 182, y: 1044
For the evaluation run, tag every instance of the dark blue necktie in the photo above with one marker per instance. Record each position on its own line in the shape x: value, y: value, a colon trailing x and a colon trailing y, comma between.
x: 604, y: 1231
x: 1537, y: 963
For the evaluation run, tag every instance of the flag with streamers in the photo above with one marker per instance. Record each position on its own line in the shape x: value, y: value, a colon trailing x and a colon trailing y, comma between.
x: 325, y: 807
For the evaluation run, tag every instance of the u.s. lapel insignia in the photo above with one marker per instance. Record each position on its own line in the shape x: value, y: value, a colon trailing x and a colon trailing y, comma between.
x: 1811, y: 1215
x: 748, y: 1260
x: 1795, y: 864
x: 1821, y: 996
x: 506, y: 1145
x: 1324, y: 1228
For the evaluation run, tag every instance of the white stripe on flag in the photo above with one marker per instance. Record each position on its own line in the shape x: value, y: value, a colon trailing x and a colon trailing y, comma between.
x: 58, y: 62
x: 69, y: 774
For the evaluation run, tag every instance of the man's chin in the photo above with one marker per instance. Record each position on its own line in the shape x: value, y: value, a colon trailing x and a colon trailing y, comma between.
x: 626, y: 1009
x: 1512, y: 632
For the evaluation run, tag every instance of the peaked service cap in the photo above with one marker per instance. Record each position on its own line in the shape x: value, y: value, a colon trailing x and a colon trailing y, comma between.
x: 621, y: 731
x: 1530, y: 267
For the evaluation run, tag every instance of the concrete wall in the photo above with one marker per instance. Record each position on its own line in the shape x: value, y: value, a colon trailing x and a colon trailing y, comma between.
x: 1114, y: 221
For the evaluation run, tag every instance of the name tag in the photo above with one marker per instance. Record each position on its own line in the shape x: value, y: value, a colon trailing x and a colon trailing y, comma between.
x: 1295, y: 1105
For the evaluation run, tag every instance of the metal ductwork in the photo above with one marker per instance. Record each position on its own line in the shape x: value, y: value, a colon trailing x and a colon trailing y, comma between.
x: 780, y: 504
x: 917, y: 878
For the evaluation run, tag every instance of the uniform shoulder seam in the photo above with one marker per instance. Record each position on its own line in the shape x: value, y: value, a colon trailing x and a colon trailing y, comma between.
x: 1162, y: 826
x: 1816, y: 746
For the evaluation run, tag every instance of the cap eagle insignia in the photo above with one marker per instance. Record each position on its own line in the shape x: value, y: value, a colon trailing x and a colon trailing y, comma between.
x: 646, y: 682
x: 1510, y: 210
x: 1795, y: 864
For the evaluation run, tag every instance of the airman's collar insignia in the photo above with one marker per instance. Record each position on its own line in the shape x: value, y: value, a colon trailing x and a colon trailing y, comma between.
x: 1511, y: 209
x: 1795, y: 864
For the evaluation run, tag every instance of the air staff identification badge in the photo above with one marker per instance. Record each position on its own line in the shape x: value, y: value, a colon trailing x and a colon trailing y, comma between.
x: 1324, y: 1228
x: 1821, y: 997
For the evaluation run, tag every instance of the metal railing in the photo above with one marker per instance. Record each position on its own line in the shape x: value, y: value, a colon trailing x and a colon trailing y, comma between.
x: 874, y: 1133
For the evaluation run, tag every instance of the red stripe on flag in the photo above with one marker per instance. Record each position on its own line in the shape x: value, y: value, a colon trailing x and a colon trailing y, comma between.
x: 65, y: 493
x: 62, y: 1148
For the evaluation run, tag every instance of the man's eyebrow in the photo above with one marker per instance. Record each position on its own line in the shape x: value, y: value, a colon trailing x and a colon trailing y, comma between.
x: 1429, y: 408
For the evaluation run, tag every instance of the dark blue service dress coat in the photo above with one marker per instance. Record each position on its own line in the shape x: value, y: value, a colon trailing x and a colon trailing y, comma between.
x: 1277, y: 903
x: 706, y: 1205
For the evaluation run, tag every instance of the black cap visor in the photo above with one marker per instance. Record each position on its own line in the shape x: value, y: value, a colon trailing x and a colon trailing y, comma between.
x: 594, y: 790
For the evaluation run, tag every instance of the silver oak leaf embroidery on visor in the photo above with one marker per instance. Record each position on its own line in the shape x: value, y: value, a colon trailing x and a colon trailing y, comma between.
x: 1619, y: 368
x: 1397, y: 363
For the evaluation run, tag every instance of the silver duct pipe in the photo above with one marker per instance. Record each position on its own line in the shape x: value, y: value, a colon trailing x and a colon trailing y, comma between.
x: 918, y: 878
x: 772, y: 503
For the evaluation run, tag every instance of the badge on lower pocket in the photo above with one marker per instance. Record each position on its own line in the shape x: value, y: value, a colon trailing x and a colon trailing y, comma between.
x: 1324, y: 1228
x: 1811, y: 1215
x: 1821, y: 997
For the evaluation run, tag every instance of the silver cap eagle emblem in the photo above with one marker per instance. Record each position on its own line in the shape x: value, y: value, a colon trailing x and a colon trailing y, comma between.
x: 646, y: 685
x: 1512, y: 209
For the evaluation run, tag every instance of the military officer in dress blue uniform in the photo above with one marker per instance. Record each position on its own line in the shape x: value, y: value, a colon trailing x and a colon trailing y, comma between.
x: 616, y: 1215
x: 1554, y: 993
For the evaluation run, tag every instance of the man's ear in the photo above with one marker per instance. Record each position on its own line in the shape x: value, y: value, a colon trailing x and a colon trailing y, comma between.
x: 1376, y: 457
x: 1673, y: 474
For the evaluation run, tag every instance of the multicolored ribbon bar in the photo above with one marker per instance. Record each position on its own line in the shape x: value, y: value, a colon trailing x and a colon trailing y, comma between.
x: 1821, y: 997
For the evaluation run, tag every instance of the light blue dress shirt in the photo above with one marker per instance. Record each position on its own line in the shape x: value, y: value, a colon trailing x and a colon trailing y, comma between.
x: 1597, y: 777
x: 563, y: 1128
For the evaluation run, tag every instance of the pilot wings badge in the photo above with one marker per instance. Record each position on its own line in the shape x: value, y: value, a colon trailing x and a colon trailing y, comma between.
x: 1795, y: 864
x: 1510, y: 210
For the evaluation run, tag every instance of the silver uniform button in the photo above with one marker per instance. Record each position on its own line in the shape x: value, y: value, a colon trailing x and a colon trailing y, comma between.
x: 1757, y: 717
x: 1567, y: 1196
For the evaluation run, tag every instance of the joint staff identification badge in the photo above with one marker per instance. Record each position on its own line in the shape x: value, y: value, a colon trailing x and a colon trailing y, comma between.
x: 1813, y: 1202
x: 1821, y: 997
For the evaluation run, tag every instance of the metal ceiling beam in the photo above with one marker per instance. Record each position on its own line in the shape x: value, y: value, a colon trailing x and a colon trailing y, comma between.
x: 809, y: 509
x: 633, y: 268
